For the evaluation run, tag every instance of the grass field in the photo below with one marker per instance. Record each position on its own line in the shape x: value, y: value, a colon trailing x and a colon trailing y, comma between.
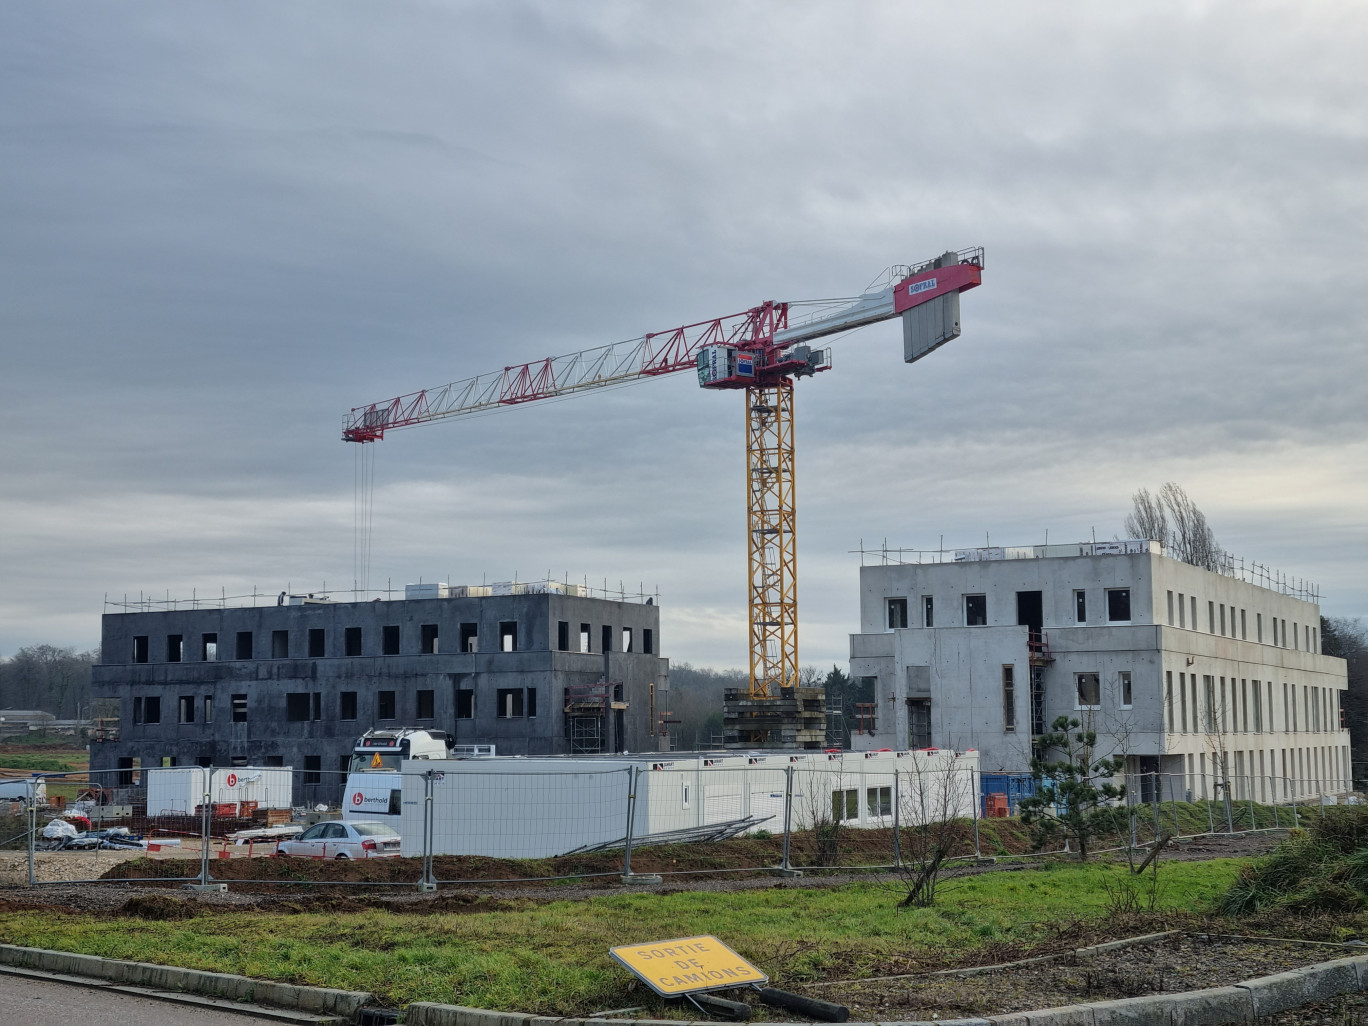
x: 551, y: 957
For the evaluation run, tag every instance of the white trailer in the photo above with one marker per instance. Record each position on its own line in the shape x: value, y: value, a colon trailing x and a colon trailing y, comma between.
x: 539, y: 807
x: 179, y: 790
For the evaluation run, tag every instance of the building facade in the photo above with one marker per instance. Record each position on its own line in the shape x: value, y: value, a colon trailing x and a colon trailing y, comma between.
x: 1199, y: 676
x: 542, y: 671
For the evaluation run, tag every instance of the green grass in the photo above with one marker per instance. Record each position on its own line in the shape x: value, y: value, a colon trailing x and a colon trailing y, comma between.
x: 552, y: 957
x: 35, y: 763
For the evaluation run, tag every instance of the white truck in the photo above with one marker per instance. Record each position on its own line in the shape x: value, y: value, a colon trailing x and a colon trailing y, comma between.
x: 374, y: 788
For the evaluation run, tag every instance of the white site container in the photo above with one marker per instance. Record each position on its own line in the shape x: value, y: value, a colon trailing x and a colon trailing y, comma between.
x: 426, y: 591
x: 539, y: 807
x: 181, y: 789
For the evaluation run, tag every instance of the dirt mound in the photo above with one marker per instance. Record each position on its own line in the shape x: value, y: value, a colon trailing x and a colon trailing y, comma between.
x: 159, y: 907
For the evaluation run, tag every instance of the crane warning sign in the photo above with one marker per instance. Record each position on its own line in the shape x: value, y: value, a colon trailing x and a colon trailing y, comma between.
x: 687, y: 965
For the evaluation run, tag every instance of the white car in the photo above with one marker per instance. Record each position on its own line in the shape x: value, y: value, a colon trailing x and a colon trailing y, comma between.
x: 337, y: 840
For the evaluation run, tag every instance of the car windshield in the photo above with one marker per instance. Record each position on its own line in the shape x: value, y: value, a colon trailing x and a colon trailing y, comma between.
x: 313, y: 832
x: 374, y: 829
x: 372, y: 762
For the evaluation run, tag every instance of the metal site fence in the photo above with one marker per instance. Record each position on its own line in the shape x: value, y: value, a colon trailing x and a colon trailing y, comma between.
x: 508, y: 822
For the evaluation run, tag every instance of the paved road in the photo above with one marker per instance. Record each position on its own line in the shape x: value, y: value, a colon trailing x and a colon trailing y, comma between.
x: 44, y: 1003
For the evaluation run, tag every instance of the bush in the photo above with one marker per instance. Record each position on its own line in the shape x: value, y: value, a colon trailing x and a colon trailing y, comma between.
x: 1321, y: 869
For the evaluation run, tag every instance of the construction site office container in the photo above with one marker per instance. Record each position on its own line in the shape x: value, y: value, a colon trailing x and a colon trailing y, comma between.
x: 180, y: 789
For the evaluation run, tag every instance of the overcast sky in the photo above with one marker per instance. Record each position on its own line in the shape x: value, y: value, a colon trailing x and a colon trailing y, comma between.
x: 224, y: 225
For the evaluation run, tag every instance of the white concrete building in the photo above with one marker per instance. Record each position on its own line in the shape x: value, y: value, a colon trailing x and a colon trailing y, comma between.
x: 1199, y: 675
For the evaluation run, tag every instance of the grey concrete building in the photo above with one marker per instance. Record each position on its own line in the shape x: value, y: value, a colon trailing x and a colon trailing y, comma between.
x: 539, y: 671
x: 1203, y: 676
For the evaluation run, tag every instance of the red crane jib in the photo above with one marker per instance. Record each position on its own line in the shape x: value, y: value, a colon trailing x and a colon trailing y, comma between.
x: 751, y: 333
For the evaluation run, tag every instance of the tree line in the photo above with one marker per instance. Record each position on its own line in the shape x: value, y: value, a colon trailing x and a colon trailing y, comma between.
x: 48, y: 678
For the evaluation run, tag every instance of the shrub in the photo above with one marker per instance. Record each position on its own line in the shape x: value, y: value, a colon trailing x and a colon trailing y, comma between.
x: 1321, y: 869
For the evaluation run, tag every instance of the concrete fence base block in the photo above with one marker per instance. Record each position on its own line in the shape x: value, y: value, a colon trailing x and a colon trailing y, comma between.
x: 1212, y: 1007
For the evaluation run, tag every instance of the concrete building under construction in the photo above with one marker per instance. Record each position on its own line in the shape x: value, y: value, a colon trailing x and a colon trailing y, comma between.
x: 533, y: 669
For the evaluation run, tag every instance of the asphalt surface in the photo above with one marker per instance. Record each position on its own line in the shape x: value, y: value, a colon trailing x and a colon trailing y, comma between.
x: 44, y: 1003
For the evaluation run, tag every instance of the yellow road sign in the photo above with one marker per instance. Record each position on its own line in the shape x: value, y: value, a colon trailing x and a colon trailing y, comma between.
x: 687, y: 965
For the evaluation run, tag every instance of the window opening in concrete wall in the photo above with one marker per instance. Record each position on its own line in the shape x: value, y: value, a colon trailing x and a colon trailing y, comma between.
x: 1009, y: 699
x: 313, y: 767
x: 975, y: 610
x: 427, y: 704
x: 627, y: 639
x: 584, y: 637
x: 244, y: 645
x: 919, y: 723
x: 1182, y: 702
x: 427, y: 639
x: 1118, y: 605
x: 845, y: 804
x: 152, y: 709
x: 316, y: 707
x: 531, y: 703
x: 1192, y: 602
x: 1244, y: 705
x: 1211, y: 617
x: 508, y: 703
x: 389, y: 639
x: 465, y: 704
x: 1275, y: 632
x: 928, y: 612
x: 384, y: 705
x: 562, y: 635
x: 1080, y: 607
x: 239, y: 708
x: 208, y: 708
x: 346, y: 705
x: 1294, y: 636
x: 1170, y: 609
x: 1244, y: 627
x: 1031, y: 614
x: 1222, y: 620
x: 1089, y: 688
x: 1222, y: 722
x: 280, y: 644
x: 1168, y: 697
x: 607, y: 638
x: 351, y: 641
x: 175, y: 647
x: 204, y: 760
x: 238, y: 760
x: 897, y: 613
x: 274, y: 760
x: 1258, y: 627
x: 209, y: 647
x: 140, y: 648
x: 296, y: 706
x: 1182, y: 610
x: 647, y: 641
x: 1127, y: 698
x: 1209, y: 702
x: 343, y: 763
x: 186, y: 713
x: 879, y: 801
x: 1282, y: 632
x: 470, y: 637
x: 317, y: 643
x: 508, y: 635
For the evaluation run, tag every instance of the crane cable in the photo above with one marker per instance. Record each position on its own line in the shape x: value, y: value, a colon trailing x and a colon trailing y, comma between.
x: 363, y: 516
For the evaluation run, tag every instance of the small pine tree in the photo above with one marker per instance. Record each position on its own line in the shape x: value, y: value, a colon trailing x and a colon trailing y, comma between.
x: 1074, y: 792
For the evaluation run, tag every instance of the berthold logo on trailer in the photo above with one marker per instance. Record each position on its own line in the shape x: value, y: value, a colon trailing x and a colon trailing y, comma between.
x: 921, y: 286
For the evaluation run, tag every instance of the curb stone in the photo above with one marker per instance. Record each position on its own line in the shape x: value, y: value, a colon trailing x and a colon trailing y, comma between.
x: 1240, y: 1002
x: 322, y: 1000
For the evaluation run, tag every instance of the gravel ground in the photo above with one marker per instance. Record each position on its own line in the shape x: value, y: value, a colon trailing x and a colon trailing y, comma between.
x: 1177, y: 964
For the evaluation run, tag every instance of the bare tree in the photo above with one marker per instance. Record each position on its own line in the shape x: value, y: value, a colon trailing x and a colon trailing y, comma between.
x: 1171, y: 518
x: 931, y: 805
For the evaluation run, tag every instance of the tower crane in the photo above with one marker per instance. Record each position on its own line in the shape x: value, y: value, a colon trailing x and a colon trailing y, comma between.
x: 762, y: 352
